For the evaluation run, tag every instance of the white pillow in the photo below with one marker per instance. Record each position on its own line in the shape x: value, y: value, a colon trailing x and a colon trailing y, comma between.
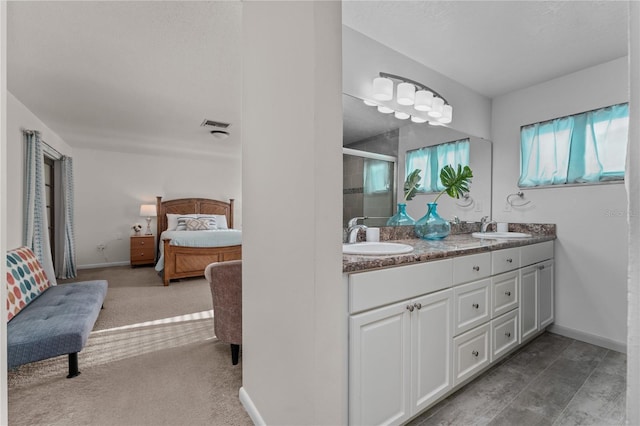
x: 172, y: 220
x: 200, y: 224
x: 220, y: 220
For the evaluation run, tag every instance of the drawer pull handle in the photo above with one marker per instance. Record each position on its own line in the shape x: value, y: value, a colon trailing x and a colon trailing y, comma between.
x: 508, y: 334
x: 418, y: 305
x: 508, y: 293
x: 541, y: 267
x: 475, y: 305
x: 476, y: 268
x: 475, y: 353
x: 410, y: 308
x: 509, y: 260
x: 141, y: 243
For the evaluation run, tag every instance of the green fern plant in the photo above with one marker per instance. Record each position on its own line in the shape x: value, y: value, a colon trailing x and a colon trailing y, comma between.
x: 455, y: 182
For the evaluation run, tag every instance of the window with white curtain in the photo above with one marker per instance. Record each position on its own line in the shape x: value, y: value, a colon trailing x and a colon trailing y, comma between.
x: 584, y: 148
x: 377, y: 176
x: 431, y: 159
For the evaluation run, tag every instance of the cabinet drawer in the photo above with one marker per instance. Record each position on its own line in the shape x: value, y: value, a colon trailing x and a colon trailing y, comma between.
x: 145, y: 253
x: 504, y: 333
x: 471, y: 268
x: 505, y: 260
x: 505, y: 291
x: 140, y: 242
x: 471, y: 353
x: 378, y: 288
x: 472, y: 305
x: 536, y: 253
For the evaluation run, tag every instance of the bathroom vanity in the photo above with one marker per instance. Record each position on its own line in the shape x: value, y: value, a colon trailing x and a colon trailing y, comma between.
x: 423, y: 324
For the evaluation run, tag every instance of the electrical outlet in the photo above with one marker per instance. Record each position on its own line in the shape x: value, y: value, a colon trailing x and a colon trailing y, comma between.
x: 507, y: 207
x: 478, y: 206
x: 118, y: 235
x: 101, y: 247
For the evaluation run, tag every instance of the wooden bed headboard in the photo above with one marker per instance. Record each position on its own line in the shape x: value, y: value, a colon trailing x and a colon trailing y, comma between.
x: 190, y: 206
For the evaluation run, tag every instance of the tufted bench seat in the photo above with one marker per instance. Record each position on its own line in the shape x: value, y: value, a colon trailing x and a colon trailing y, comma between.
x: 55, y: 321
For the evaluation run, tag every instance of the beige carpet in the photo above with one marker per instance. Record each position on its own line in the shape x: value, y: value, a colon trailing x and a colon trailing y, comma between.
x: 152, y: 359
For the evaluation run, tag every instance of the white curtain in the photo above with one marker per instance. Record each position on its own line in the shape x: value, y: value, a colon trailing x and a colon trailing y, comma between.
x: 35, y: 232
x: 632, y: 182
x: 65, y: 247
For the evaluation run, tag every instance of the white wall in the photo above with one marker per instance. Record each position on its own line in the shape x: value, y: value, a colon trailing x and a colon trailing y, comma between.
x: 3, y: 209
x: 110, y: 186
x: 363, y: 58
x: 18, y: 118
x: 294, y: 299
x: 591, y: 249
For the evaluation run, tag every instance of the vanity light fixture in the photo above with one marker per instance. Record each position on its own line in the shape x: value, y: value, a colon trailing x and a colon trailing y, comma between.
x: 409, y: 93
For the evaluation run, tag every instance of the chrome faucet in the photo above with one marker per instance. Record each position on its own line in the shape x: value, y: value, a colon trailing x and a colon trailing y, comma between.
x: 353, y: 228
x: 485, y: 222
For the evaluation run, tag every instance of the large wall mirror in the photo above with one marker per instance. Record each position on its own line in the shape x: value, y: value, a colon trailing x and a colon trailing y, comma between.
x: 374, y: 150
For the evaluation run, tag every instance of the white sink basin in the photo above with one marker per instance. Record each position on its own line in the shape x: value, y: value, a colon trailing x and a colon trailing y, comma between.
x: 500, y: 235
x: 376, y: 249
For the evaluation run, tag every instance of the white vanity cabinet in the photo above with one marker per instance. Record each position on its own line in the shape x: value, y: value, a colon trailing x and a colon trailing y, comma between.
x: 419, y: 332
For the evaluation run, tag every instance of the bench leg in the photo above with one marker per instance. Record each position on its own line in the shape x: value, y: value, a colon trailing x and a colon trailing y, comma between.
x: 235, y: 351
x: 73, y: 365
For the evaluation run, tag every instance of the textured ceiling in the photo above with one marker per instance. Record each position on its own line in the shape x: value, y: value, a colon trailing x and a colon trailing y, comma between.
x: 129, y: 76
x: 142, y: 76
x: 495, y: 47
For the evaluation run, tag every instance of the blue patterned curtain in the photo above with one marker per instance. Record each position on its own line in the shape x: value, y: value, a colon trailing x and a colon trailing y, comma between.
x: 586, y: 147
x: 65, y: 236
x: 431, y: 159
x: 35, y: 232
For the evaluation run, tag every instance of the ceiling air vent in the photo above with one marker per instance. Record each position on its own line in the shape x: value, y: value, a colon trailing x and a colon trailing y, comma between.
x: 212, y: 123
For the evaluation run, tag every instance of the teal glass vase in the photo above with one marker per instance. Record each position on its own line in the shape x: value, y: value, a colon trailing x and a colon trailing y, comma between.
x: 401, y: 218
x: 431, y: 226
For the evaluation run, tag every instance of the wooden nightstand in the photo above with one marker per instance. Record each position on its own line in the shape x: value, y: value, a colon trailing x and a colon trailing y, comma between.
x: 142, y: 250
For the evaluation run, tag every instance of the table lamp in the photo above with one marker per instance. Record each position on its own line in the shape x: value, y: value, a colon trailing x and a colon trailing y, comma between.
x: 148, y: 210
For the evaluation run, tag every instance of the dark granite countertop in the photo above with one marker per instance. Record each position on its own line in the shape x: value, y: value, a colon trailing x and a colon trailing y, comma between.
x: 452, y: 246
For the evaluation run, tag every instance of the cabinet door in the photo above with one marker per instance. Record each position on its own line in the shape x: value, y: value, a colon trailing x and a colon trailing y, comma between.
x: 528, y: 302
x: 471, y: 353
x: 379, y: 363
x: 545, y: 294
x: 431, y: 333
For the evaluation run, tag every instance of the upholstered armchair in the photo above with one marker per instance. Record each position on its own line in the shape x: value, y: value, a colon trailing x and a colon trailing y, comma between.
x: 225, y: 281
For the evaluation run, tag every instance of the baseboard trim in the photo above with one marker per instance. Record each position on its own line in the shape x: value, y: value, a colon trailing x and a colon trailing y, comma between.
x: 251, y: 409
x: 588, y: 338
x: 103, y: 265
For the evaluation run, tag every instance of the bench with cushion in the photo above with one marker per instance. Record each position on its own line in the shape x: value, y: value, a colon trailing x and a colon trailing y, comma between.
x: 46, y: 321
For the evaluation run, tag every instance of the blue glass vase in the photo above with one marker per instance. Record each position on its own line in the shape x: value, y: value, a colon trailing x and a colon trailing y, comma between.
x: 401, y: 217
x: 431, y: 226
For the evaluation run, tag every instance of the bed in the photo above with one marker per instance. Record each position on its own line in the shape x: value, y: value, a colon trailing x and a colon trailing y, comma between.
x: 183, y: 259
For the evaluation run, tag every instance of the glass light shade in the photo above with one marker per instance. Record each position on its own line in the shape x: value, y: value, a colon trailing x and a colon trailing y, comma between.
x: 369, y: 103
x: 447, y: 114
x: 406, y: 93
x: 401, y: 115
x: 382, y: 89
x: 148, y: 210
x: 436, y: 108
x: 423, y: 100
x: 418, y: 119
x: 384, y: 109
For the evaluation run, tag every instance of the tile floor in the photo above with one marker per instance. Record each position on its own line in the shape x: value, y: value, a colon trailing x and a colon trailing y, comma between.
x: 554, y: 380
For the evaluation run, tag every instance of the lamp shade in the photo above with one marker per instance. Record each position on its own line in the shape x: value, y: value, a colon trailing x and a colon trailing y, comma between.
x: 423, y: 100
x: 382, y: 89
x: 401, y: 115
x: 148, y: 210
x: 436, y: 108
x: 385, y: 110
x: 447, y: 114
x: 406, y: 93
x: 418, y: 119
